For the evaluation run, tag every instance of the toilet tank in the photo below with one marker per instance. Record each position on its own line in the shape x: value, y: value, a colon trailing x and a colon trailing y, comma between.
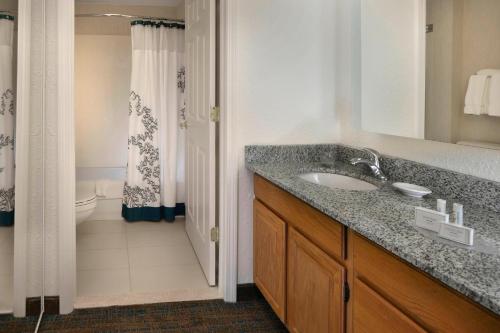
x: 109, y: 207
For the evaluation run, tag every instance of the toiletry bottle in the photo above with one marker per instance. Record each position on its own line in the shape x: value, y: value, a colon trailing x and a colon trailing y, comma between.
x: 458, y: 213
x: 441, y: 206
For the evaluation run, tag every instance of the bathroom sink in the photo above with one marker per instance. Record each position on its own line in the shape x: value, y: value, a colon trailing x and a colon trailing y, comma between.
x: 338, y: 181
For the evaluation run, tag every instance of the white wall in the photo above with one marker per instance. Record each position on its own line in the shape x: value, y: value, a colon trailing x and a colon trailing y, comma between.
x: 285, y: 87
x: 477, y: 162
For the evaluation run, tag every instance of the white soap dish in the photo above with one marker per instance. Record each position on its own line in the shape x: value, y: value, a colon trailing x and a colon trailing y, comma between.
x: 412, y: 190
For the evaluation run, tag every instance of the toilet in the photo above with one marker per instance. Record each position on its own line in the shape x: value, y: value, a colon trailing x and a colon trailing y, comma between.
x: 86, y: 200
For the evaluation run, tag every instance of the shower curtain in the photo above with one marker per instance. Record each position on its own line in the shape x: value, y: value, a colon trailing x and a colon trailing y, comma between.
x: 7, y: 117
x: 155, y: 99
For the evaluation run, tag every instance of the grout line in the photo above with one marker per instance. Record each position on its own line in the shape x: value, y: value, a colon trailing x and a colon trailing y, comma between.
x: 101, y: 249
x: 102, y: 269
x: 109, y: 249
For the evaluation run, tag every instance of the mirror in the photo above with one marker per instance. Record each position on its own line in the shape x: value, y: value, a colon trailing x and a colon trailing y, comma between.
x: 430, y: 69
x: 8, y: 47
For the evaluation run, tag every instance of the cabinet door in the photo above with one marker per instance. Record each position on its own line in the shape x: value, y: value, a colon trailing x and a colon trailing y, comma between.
x: 269, y: 251
x: 315, y: 301
x: 372, y: 313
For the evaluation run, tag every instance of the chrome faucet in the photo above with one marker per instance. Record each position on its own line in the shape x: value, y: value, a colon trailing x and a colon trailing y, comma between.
x: 374, y: 165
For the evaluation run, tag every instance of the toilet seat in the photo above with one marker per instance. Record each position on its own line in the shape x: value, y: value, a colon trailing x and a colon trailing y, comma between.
x: 85, y: 201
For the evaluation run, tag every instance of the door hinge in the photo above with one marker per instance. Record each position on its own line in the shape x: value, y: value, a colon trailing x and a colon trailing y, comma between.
x: 215, y: 114
x: 347, y: 292
x: 214, y: 234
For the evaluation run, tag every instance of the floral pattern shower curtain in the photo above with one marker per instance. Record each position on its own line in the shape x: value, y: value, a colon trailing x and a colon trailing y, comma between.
x: 154, y: 102
x: 7, y: 120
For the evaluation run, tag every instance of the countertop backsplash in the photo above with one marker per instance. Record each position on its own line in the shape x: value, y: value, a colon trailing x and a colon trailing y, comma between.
x: 462, y: 188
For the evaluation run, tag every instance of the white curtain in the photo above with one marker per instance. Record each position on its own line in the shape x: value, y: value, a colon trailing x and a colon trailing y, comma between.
x: 154, y: 104
x: 7, y: 120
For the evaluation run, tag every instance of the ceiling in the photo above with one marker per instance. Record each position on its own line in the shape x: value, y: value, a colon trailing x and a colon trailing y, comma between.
x: 159, y: 3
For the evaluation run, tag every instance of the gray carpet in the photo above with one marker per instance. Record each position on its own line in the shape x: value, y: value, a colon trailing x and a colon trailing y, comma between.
x: 200, y: 316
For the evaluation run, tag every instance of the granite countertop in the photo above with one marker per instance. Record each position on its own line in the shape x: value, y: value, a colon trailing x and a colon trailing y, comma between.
x: 387, y: 218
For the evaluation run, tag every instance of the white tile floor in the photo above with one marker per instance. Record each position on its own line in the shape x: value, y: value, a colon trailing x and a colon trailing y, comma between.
x: 6, y: 268
x: 129, y: 263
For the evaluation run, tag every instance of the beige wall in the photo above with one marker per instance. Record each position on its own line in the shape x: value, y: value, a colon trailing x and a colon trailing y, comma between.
x: 439, y: 72
x: 465, y: 40
x: 10, y: 5
x: 480, y: 49
x: 102, y: 69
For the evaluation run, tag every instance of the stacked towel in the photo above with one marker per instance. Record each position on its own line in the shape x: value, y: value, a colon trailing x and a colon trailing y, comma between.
x: 476, y: 98
x: 493, y: 107
x: 101, y: 187
x: 489, y: 72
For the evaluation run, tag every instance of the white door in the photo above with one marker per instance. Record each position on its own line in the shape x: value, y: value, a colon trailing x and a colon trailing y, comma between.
x: 200, y: 137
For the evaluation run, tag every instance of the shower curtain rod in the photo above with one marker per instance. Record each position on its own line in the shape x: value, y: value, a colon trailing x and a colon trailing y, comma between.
x: 131, y: 17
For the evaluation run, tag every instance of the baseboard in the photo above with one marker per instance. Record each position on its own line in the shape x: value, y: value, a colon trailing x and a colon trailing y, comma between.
x: 33, y: 305
x: 248, y: 292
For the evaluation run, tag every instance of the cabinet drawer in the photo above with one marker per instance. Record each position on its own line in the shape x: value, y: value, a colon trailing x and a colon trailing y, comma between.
x: 269, y: 251
x: 372, y: 313
x: 325, y: 232
x: 432, y: 305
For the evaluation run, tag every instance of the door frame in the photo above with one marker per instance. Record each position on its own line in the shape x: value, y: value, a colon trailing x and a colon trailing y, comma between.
x: 228, y: 151
x: 228, y: 168
x: 23, y: 110
x: 66, y: 155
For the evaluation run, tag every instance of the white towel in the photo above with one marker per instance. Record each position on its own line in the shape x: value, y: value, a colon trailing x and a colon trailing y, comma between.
x: 489, y: 72
x: 493, y: 105
x: 475, y: 99
x: 101, y: 187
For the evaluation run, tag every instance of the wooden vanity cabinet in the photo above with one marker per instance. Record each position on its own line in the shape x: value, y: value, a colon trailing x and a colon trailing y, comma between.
x: 314, y: 284
x: 269, y: 253
x: 298, y: 263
